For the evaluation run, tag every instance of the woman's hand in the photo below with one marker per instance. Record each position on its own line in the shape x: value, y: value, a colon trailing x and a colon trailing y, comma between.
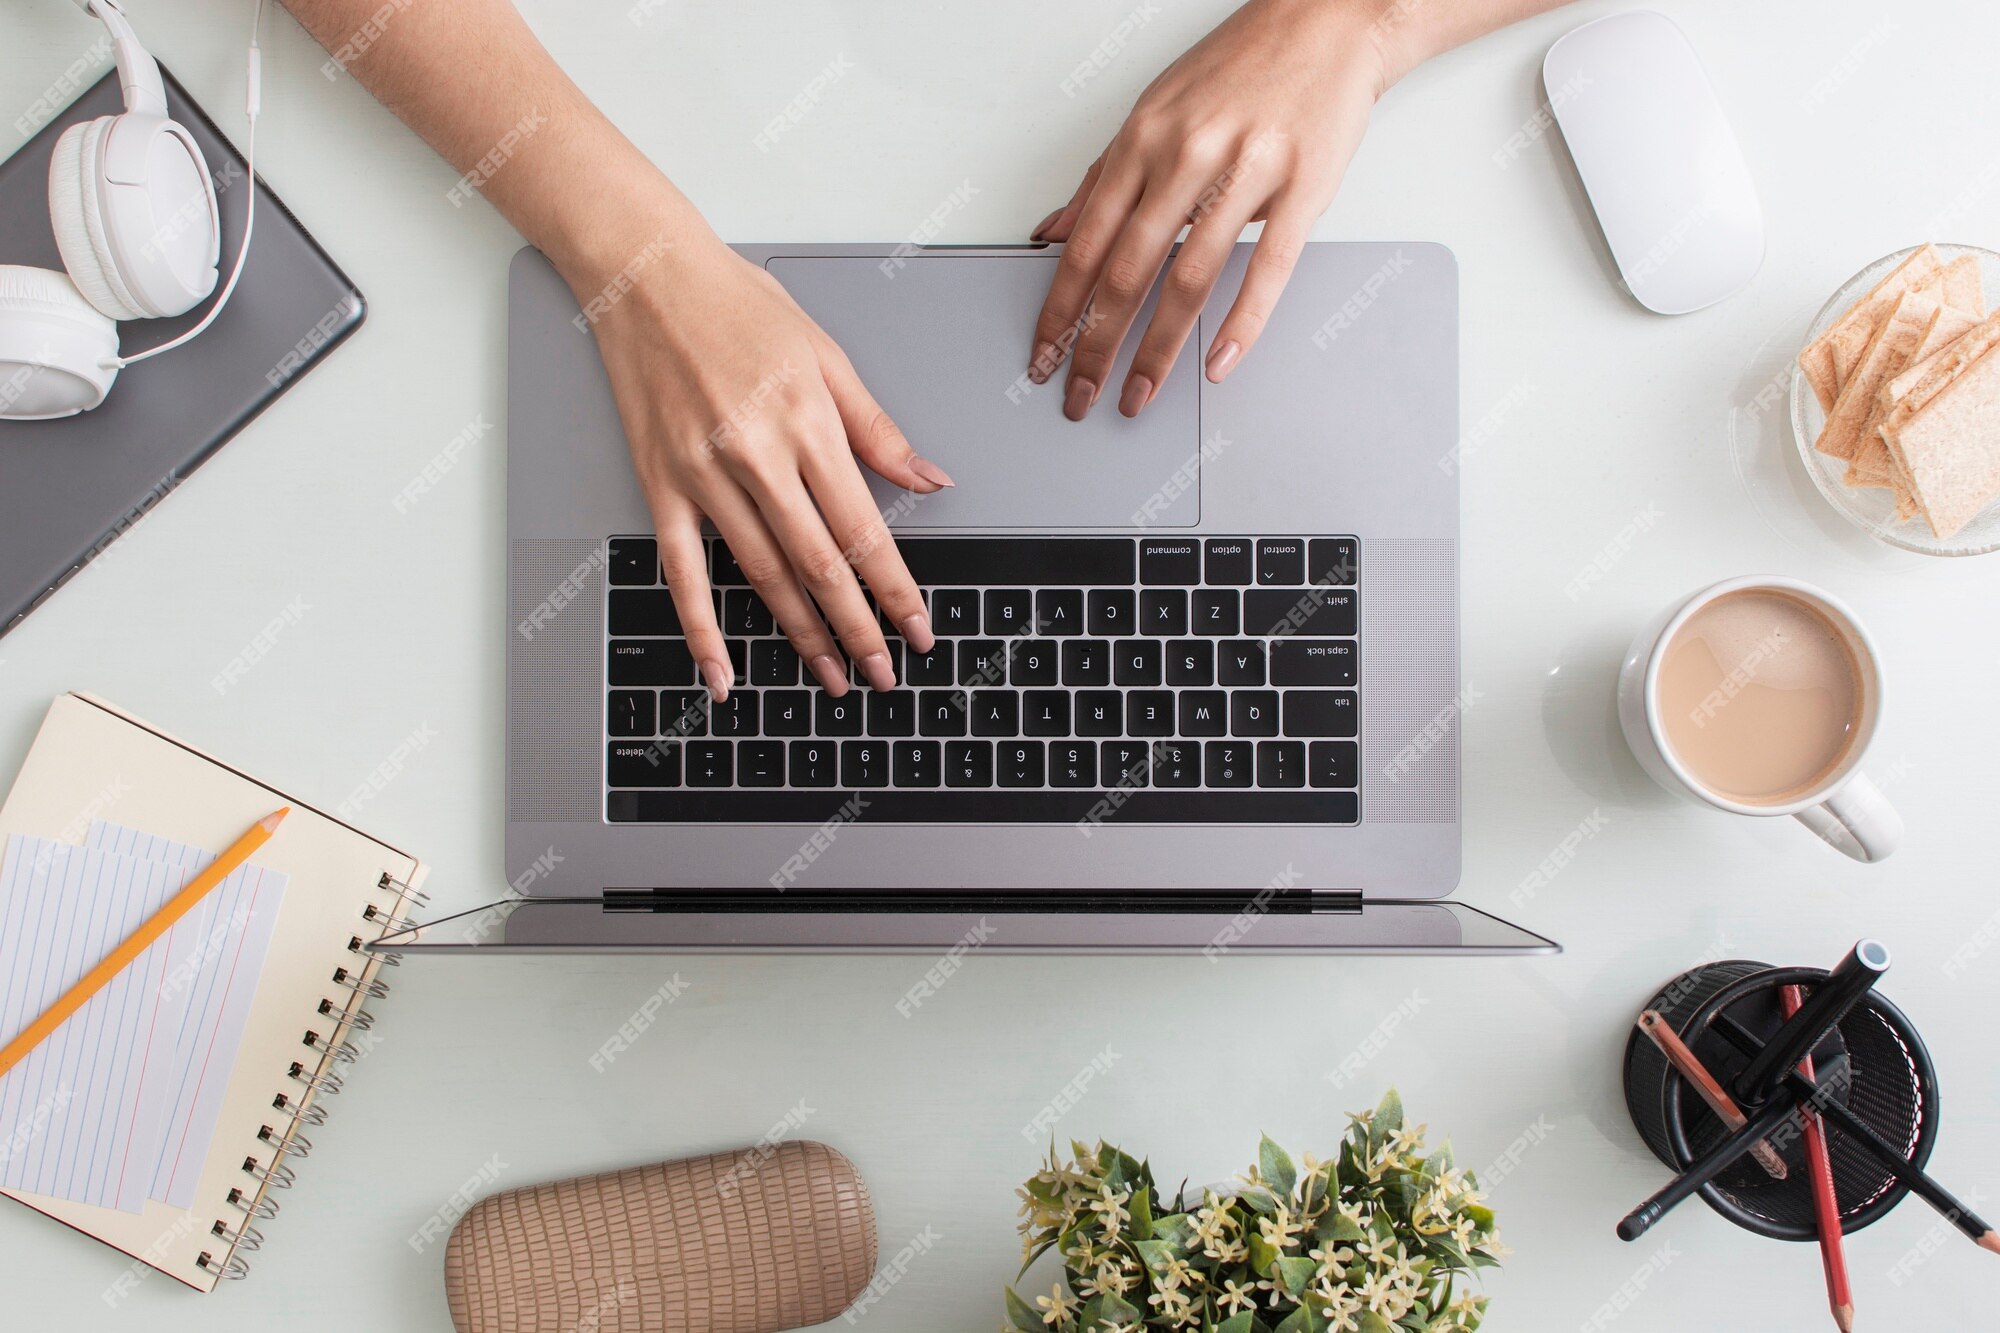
x: 738, y: 408
x: 1256, y: 122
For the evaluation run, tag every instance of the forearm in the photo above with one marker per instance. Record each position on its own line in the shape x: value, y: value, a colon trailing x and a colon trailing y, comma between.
x: 472, y: 80
x: 1410, y: 32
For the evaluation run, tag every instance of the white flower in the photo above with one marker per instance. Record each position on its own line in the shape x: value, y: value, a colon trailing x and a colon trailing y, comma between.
x: 1237, y: 1298
x: 1057, y: 1307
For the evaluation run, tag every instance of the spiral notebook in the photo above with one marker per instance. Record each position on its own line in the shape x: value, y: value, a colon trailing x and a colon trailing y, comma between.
x: 109, y: 789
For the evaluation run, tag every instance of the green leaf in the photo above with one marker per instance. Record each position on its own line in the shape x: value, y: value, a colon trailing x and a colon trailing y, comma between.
x: 1117, y: 1310
x: 1295, y: 1274
x: 1301, y: 1320
x: 1155, y: 1254
x: 1370, y: 1322
x: 1033, y: 1255
x: 1022, y: 1315
x: 1175, y: 1229
x: 1481, y: 1215
x: 1237, y: 1323
x: 1142, y: 1213
x: 1347, y: 1229
x: 1258, y: 1200
x: 1389, y: 1113
x: 1262, y: 1255
x: 1277, y: 1166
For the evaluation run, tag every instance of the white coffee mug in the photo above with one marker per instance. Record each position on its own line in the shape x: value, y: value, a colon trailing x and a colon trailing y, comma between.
x: 1844, y: 808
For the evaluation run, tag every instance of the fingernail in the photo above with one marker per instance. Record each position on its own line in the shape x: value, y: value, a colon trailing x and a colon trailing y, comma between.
x: 930, y: 472
x: 1078, y: 398
x: 1044, y: 225
x: 1222, y: 359
x: 1138, y: 392
x: 881, y: 676
x: 717, y: 676
x: 829, y: 675
x: 916, y: 629
x: 1042, y: 362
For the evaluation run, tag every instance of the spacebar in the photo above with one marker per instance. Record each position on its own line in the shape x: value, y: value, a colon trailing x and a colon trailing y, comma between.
x: 983, y: 806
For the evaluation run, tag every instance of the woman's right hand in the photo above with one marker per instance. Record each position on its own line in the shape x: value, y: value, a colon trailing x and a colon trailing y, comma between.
x: 740, y: 409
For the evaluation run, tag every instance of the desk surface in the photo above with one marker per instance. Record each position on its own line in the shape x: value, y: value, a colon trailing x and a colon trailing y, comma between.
x: 1624, y: 459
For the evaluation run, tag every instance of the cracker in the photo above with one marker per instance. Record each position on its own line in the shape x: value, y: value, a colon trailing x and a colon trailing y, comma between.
x: 1963, y: 287
x: 1872, y: 465
x: 1886, y: 352
x: 1819, y: 362
x: 1951, y: 447
x: 1919, y: 383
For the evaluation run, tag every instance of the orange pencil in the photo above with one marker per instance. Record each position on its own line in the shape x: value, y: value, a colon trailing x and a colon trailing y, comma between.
x: 1826, y: 1205
x: 158, y: 924
x: 1655, y: 1025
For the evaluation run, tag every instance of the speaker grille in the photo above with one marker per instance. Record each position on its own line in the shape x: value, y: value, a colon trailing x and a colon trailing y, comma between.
x: 555, y: 647
x: 1409, y: 649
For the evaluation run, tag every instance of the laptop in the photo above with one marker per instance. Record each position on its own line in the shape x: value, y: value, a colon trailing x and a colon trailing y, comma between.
x: 1196, y: 684
x: 70, y: 488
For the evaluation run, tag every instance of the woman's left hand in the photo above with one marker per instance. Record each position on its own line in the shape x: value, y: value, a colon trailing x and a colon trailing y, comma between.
x: 1256, y: 123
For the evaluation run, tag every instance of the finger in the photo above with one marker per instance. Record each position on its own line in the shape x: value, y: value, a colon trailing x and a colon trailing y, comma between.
x: 823, y: 567
x: 1191, y: 277
x: 1122, y: 286
x: 1270, y: 268
x: 684, y: 563
x: 873, y: 435
x: 864, y: 537
x: 1056, y: 226
x: 1102, y: 218
x: 765, y: 564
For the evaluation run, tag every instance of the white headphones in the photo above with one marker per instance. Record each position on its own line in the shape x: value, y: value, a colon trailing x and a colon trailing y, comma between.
x: 135, y: 217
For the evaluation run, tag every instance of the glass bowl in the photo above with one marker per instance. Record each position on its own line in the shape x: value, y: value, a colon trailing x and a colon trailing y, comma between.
x: 1871, y: 508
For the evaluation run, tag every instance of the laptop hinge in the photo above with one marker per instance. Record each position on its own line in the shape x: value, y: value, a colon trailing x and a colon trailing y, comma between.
x: 1224, y: 902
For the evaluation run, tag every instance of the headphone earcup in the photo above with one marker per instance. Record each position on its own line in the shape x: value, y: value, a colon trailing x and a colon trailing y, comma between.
x: 78, y: 223
x: 58, y: 352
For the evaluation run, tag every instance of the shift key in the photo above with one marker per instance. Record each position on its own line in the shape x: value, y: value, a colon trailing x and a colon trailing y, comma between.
x: 1313, y: 662
x: 1314, y: 613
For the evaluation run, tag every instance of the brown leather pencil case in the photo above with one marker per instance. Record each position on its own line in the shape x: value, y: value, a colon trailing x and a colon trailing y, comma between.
x: 772, y: 1237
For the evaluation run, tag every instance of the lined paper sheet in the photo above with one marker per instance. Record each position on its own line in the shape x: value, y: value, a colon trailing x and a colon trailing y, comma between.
x: 232, y: 930
x: 84, y: 1115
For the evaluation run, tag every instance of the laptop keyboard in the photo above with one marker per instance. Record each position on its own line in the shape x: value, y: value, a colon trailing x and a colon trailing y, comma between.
x: 1098, y: 679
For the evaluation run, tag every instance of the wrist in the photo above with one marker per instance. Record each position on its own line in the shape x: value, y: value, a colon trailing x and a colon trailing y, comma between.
x: 604, y: 234
x: 1397, y: 34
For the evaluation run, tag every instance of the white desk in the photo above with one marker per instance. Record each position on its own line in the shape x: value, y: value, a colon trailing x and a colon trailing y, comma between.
x: 1612, y: 417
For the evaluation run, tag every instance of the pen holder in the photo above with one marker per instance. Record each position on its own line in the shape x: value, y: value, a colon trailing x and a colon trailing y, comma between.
x: 1873, y: 1061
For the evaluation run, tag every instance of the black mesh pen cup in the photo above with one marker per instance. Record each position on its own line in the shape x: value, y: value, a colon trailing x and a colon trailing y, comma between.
x: 1873, y: 1062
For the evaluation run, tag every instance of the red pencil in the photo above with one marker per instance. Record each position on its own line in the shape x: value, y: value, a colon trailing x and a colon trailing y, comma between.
x: 1826, y: 1206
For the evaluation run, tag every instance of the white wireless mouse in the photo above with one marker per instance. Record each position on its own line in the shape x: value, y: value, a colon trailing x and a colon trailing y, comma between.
x: 1661, y: 166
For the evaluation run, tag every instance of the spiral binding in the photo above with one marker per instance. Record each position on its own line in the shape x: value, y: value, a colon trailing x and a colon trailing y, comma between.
x: 302, y: 1106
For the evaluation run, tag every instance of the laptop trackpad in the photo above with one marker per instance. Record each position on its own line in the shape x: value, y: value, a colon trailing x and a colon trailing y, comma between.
x: 942, y: 341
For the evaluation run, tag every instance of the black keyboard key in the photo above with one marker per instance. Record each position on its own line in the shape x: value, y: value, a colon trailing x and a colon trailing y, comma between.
x: 739, y: 660
x: 990, y: 562
x: 1136, y: 662
x: 892, y: 714
x: 1059, y: 611
x: 632, y: 713
x: 1213, y: 611
x: 1009, y: 611
x: 1086, y: 662
x: 1019, y: 763
x: 1239, y: 662
x: 650, y: 662
x: 723, y: 571
x: 1306, y: 613
x: 1126, y: 764
x: 1018, y: 806
x: 1253, y: 713
x: 760, y: 764
x: 1335, y: 561
x: 643, y: 611
x: 996, y: 713
x: 1281, y: 562
x: 1336, y: 764
x: 864, y: 763
x: 1169, y: 561
x: 1177, y: 764
x: 1281, y: 763
x: 641, y: 765
x: 968, y: 763
x: 735, y: 716
x: 837, y: 717
x: 935, y: 667
x: 916, y: 763
x: 1163, y: 611
x: 1204, y: 713
x: 815, y: 764
x: 633, y: 560
x: 954, y: 612
x: 1190, y: 662
x: 982, y: 662
x: 1045, y: 713
x: 1035, y: 663
x: 894, y: 650
x: 744, y: 615
x: 1149, y: 713
x: 1073, y: 764
x: 1227, y: 763
x: 773, y: 662
x: 1327, y: 662
x: 709, y: 763
x: 1322, y: 713
x: 787, y: 713
x: 1100, y: 713
x: 685, y: 712
x: 1231, y: 562
x: 941, y: 712
x: 1113, y: 612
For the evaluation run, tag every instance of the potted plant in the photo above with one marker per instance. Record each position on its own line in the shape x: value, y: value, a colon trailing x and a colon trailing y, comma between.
x: 1373, y: 1241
